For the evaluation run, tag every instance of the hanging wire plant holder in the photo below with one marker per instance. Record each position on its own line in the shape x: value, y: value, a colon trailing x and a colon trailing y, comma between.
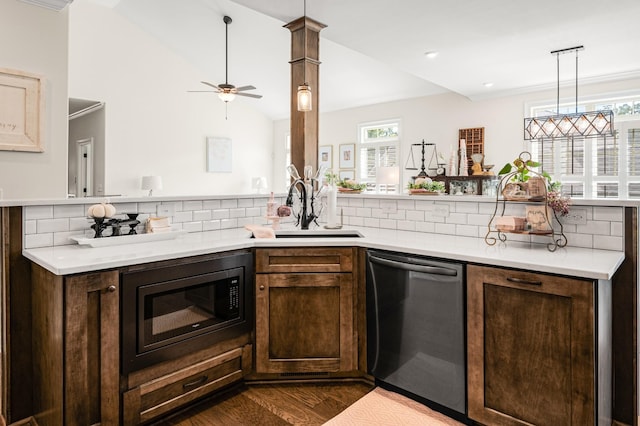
x: 528, y: 187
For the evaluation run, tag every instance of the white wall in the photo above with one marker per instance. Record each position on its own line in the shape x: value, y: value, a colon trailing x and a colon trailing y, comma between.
x: 34, y: 39
x: 437, y: 119
x: 153, y: 125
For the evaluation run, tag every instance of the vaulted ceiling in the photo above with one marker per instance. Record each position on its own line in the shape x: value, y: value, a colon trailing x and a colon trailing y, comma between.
x: 374, y: 50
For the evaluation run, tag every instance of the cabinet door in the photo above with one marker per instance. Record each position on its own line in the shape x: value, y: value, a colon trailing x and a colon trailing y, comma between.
x: 304, y: 323
x: 92, y: 352
x: 530, y: 348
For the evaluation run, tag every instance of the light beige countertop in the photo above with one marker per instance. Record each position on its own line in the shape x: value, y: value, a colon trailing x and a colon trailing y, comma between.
x: 570, y: 261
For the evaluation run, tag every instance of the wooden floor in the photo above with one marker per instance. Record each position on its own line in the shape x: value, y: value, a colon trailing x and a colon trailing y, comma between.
x: 273, y: 404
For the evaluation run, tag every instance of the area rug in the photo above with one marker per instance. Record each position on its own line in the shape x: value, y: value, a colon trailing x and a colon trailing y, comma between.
x: 383, y: 407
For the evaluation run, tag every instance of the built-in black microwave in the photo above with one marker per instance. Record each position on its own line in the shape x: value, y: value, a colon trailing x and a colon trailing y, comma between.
x: 171, y: 310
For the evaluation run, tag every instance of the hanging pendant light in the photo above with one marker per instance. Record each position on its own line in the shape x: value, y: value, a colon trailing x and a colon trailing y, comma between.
x: 304, y: 91
x: 594, y: 123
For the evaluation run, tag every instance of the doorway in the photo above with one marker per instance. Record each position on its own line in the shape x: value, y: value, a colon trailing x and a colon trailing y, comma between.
x: 84, y: 177
x: 86, y: 149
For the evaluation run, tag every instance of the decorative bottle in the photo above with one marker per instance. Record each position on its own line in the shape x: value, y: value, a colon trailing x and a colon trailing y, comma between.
x: 271, y: 206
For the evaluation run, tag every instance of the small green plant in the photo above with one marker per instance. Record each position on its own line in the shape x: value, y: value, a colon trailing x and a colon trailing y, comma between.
x: 352, y: 184
x: 427, y: 185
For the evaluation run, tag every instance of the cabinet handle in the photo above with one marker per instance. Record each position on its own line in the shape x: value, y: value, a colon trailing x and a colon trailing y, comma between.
x: 199, y: 381
x: 261, y: 287
x: 111, y: 288
x: 523, y: 281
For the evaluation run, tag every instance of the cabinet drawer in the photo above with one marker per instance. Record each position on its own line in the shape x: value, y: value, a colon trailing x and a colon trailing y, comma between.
x: 152, y: 399
x: 304, y: 260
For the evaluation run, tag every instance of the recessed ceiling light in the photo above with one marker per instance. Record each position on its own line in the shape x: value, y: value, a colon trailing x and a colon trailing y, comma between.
x: 431, y: 54
x: 487, y: 84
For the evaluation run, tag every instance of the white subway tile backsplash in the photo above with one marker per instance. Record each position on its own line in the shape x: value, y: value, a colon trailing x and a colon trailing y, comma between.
x: 461, y: 207
x: 356, y: 221
x: 183, y: 216
x: 478, y: 219
x: 415, y: 215
x: 192, y: 205
x: 617, y: 229
x: 248, y: 202
x: 228, y: 223
x: 38, y: 212
x: 356, y: 202
x: 614, y: 214
x: 371, y: 222
x: 192, y: 226
x: 425, y: 227
x: 606, y: 242
x: 424, y: 205
x: 388, y: 223
x: 579, y: 240
x: 210, y: 225
x: 52, y: 225
x: 406, y: 204
x: 595, y: 227
x: 62, y: 238
x: 445, y: 228
x: 211, y: 204
x: 363, y: 212
x: 372, y: 202
x: 399, y: 215
x: 220, y: 214
x: 378, y: 213
x: 49, y: 225
x: 467, y: 231
x: 80, y: 223
x: 255, y: 211
x: 30, y: 227
x: 457, y: 218
x: 149, y: 208
x: 68, y: 210
x: 38, y: 240
x: 238, y: 212
x: 122, y: 208
x: 229, y: 204
x: 406, y: 225
x: 202, y: 215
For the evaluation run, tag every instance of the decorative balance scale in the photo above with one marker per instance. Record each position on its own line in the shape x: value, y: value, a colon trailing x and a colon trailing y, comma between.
x: 436, y: 162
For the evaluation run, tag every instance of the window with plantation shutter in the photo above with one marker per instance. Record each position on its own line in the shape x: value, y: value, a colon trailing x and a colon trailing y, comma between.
x: 378, y: 146
x: 596, y: 167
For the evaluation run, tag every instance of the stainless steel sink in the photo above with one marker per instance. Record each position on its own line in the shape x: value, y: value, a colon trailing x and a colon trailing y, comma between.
x: 319, y: 233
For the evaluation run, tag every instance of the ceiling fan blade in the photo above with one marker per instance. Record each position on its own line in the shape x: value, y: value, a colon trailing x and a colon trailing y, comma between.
x: 202, y: 91
x: 249, y: 95
x: 210, y: 84
x: 242, y: 88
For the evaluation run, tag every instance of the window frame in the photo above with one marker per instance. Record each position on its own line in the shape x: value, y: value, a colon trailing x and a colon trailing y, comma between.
x: 364, y: 142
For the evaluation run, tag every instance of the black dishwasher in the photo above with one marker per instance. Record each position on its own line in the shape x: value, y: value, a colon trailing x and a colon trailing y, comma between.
x: 416, y: 328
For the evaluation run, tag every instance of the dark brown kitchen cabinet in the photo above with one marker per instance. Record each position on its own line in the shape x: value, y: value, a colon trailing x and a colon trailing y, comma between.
x: 305, y: 313
x: 538, y: 348
x: 76, y: 353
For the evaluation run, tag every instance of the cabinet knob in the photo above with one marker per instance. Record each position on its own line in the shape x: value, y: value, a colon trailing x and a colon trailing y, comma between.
x: 261, y: 287
x: 111, y: 288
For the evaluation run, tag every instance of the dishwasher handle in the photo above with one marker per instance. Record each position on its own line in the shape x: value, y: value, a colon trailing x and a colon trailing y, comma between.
x: 414, y: 267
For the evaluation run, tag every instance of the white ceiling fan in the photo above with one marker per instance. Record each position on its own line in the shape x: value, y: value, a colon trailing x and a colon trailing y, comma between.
x: 227, y: 92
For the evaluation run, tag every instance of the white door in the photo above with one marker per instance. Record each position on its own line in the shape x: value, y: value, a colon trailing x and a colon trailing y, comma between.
x: 84, y: 178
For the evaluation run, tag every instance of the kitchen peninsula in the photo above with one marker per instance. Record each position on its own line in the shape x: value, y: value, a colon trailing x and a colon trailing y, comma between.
x: 372, y: 216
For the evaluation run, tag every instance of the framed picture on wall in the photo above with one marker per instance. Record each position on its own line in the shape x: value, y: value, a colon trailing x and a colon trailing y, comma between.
x: 219, y: 155
x: 348, y: 156
x: 347, y: 174
x: 325, y: 156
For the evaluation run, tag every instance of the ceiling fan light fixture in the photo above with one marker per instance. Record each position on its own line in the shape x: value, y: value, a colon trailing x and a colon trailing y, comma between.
x: 226, y: 96
x: 304, y: 98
